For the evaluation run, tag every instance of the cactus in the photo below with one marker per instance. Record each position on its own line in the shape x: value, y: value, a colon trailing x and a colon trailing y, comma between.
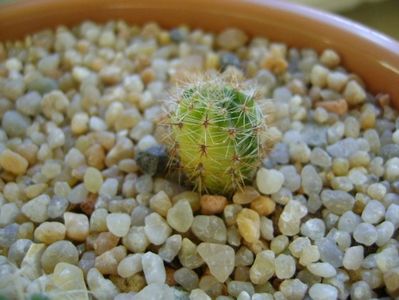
x: 217, y: 135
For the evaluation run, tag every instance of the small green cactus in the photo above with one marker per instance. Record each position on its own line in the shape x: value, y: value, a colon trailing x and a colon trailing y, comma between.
x: 217, y: 135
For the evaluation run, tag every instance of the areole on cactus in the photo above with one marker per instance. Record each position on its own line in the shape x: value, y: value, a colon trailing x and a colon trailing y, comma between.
x: 218, y: 134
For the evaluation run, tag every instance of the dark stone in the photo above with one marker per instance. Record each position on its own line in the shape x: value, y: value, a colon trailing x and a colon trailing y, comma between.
x: 152, y: 161
x: 177, y: 35
x: 229, y: 59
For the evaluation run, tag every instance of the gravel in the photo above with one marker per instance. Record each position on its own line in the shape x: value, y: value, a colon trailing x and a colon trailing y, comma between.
x: 219, y: 258
x: 180, y: 216
x: 88, y: 206
x: 153, y: 268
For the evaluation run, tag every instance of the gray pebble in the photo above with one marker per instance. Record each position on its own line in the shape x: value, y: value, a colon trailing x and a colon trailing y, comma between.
x: 282, y: 94
x: 329, y: 252
x: 337, y: 201
x: 360, y: 290
x: 12, y: 88
x: 314, y: 136
x: 313, y: 229
x: 57, y: 207
x: 292, y: 137
x: 144, y: 184
x: 348, y: 221
x: 60, y: 251
x: 17, y: 250
x: 343, y: 148
x: 229, y: 59
x: 331, y: 219
x: 266, y: 78
x: 392, y: 214
x: 371, y: 135
x: 280, y: 154
x: 373, y: 212
x: 389, y: 151
x: 320, y: 158
x: 311, y: 181
x: 42, y: 85
x: 177, y: 35
x: 15, y: 124
x: 29, y: 104
x: 384, y: 125
x: 365, y: 234
x: 153, y: 160
x: 282, y: 196
x: 8, y: 235
x: 314, y: 203
x: 292, y: 178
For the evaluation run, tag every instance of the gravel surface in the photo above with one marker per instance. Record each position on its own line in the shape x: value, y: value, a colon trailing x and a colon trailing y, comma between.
x: 88, y: 211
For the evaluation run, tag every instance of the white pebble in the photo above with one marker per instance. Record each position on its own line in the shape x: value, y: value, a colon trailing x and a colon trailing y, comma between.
x: 153, y: 268
x: 155, y: 291
x: 353, y: 258
x: 198, y: 294
x: 392, y: 214
x: 348, y: 221
x: 146, y: 142
x: 373, y: 212
x: 365, y: 234
x: 322, y: 269
x: 130, y: 265
x: 156, y: 229
x: 320, y: 291
x: 269, y: 181
x: 354, y: 93
x: 392, y: 169
x: 36, y: 209
x: 313, y: 229
x: 97, y: 124
x: 376, y: 191
x: 385, y: 232
x: 285, y: 266
x: 109, y: 188
x: 118, y: 224
x: 102, y: 288
x: 13, y: 64
x: 80, y: 73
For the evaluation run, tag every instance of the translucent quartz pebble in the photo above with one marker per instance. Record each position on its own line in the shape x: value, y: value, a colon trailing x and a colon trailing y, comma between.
x: 155, y: 291
x: 209, y: 229
x: 153, y: 268
x: 101, y: 288
x: 263, y: 268
x: 219, y: 258
x: 69, y: 280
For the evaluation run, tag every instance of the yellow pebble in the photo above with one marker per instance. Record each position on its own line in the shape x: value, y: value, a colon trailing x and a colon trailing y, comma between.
x: 13, y: 162
x: 264, y: 206
x: 248, y: 223
x: 93, y: 180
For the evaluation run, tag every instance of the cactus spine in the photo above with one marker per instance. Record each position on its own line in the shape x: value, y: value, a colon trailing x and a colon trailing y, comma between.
x: 217, y: 135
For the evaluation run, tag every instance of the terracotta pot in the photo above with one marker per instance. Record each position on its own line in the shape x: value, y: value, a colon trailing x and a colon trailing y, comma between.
x: 372, y: 55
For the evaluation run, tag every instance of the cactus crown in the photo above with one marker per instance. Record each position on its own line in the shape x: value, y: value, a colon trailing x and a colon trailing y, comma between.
x: 216, y: 131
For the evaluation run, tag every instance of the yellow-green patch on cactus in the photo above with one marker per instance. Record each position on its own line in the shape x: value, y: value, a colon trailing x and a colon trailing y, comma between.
x: 217, y: 135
